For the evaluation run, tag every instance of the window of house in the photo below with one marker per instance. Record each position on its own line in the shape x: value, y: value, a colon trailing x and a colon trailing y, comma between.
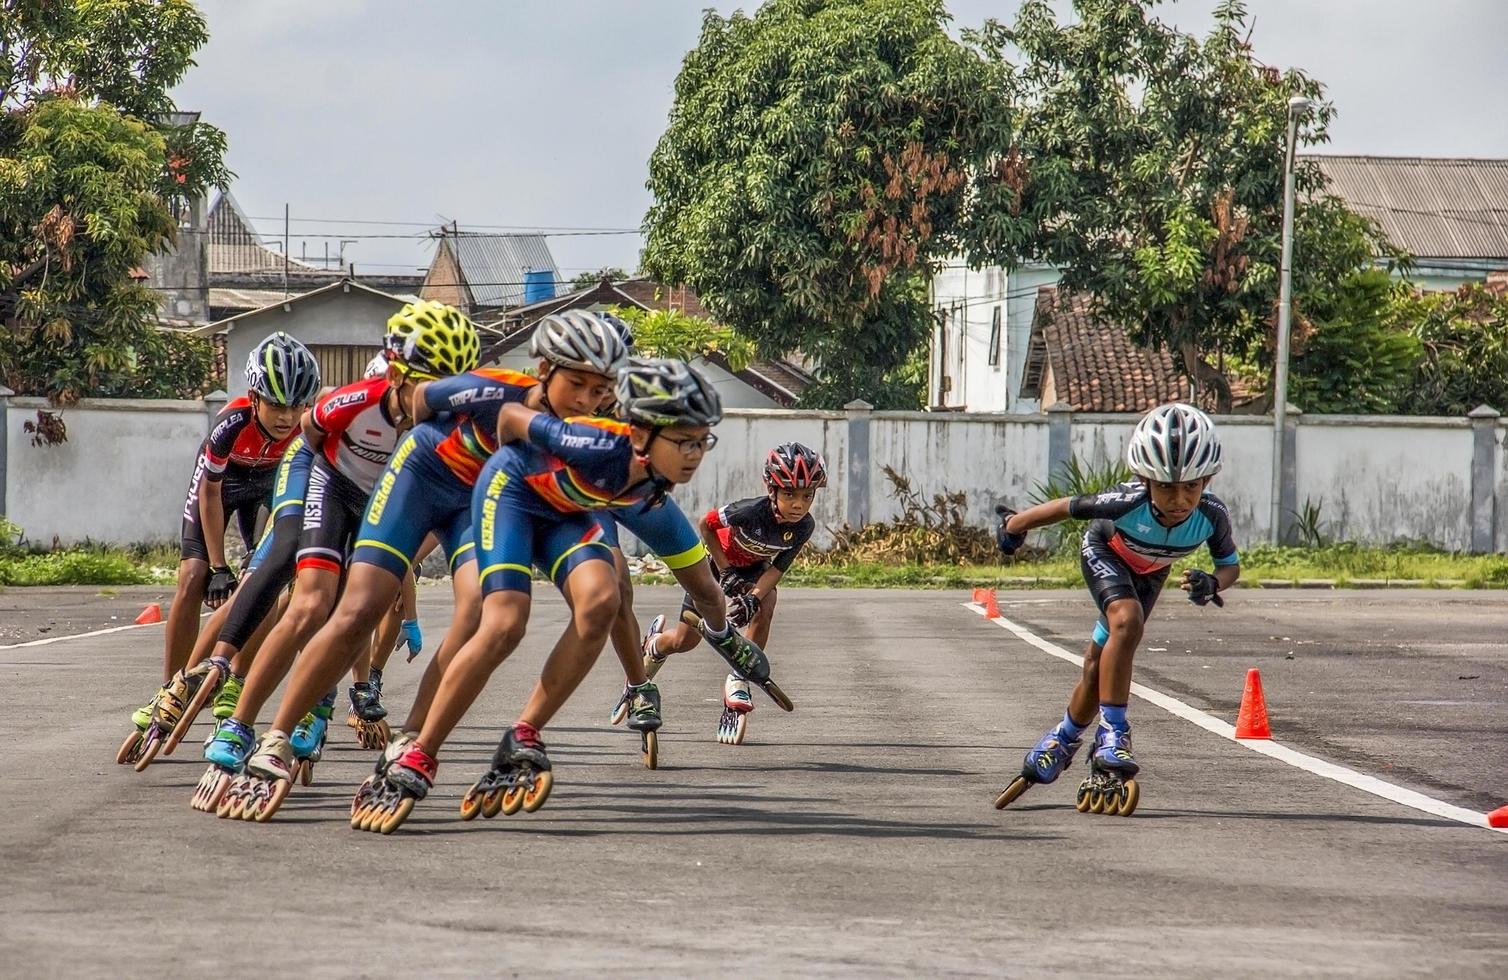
x: 995, y: 338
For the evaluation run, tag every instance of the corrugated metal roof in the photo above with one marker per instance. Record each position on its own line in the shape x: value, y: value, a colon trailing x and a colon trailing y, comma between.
x: 1434, y: 207
x: 494, y: 265
x: 235, y: 246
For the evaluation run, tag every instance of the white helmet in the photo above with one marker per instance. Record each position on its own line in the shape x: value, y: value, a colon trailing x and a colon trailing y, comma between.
x: 582, y: 340
x: 1174, y: 443
x: 376, y: 367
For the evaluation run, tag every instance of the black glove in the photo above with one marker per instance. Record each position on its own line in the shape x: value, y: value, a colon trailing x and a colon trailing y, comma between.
x: 1203, y: 588
x: 1008, y: 543
x: 742, y: 609
x: 733, y: 584
x: 222, y: 582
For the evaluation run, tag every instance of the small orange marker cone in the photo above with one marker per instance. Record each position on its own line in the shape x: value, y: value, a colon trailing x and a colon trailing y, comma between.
x: 1498, y: 818
x: 1251, y: 721
x: 991, y: 607
x: 979, y: 595
x: 151, y: 614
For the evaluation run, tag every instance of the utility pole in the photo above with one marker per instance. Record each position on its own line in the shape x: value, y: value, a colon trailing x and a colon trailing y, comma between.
x: 285, y: 250
x: 1297, y: 106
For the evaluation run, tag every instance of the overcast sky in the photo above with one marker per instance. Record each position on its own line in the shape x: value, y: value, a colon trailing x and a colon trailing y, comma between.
x: 543, y: 114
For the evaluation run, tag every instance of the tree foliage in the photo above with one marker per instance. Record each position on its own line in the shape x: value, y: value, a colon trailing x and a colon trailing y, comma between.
x: 1463, y: 337
x: 91, y: 159
x: 586, y: 280
x: 820, y: 156
x: 674, y: 333
x: 1160, y: 157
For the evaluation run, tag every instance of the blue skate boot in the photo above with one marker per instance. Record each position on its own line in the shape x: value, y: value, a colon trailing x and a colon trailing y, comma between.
x: 1111, y: 785
x: 226, y: 754
x: 1044, y: 763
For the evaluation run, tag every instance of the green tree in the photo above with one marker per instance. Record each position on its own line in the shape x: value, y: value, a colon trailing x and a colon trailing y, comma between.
x: 1160, y: 158
x: 820, y: 156
x: 91, y: 159
x: 1464, y: 338
x: 586, y: 280
x: 1349, y: 355
x: 673, y: 333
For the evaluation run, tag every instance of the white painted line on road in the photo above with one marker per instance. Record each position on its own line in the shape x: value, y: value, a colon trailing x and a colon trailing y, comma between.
x: 78, y: 636
x: 1308, y: 763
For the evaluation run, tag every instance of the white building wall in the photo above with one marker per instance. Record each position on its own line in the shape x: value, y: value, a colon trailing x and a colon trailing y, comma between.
x: 964, y: 304
x: 353, y: 318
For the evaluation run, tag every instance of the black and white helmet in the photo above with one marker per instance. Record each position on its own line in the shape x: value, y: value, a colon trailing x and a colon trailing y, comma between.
x: 660, y: 392
x: 282, y: 371
x: 582, y: 341
x: 1174, y: 443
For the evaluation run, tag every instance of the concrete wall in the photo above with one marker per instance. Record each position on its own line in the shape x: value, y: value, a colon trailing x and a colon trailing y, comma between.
x: 121, y: 476
x: 352, y: 317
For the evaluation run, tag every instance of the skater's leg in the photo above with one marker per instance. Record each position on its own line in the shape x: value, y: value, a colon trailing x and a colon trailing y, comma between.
x: 370, y: 590
x: 464, y: 624
x: 314, y: 595
x: 1124, y: 619
x: 592, y: 592
x: 625, y: 629
x: 504, y: 615
x: 183, y: 616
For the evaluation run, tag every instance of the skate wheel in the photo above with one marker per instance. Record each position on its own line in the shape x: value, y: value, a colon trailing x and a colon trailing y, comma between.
x: 235, y: 801
x: 741, y: 728
x: 492, y: 803
x: 1130, y: 795
x: 1081, y: 799
x: 305, y: 772
x: 471, y: 803
x: 778, y: 696
x: 151, y: 744
x: 1012, y: 792
x: 375, y: 811
x: 196, y: 704
x: 128, y: 749
x: 396, y: 815
x: 534, y: 797
x: 619, y: 713
x: 276, y: 794
x: 512, y: 800
x: 1098, y: 800
x: 650, y: 750
x: 353, y: 720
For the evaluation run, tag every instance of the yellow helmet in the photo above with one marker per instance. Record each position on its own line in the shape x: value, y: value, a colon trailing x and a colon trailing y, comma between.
x: 433, y: 338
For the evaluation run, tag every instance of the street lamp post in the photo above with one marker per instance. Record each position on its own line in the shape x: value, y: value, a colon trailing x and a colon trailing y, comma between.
x: 1297, y: 106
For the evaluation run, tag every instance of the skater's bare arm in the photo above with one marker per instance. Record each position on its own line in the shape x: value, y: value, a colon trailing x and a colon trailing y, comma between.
x: 1040, y: 515
x: 513, y: 422
x: 714, y: 546
x: 314, y: 436
x: 212, y: 520
x: 768, y: 581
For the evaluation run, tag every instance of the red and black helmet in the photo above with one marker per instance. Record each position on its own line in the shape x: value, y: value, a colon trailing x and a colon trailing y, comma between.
x: 792, y: 466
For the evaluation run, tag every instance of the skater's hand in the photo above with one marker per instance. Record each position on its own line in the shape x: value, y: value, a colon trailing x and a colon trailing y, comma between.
x: 1008, y: 543
x: 409, y: 633
x: 742, y: 609
x: 1202, y: 587
x: 733, y: 584
x: 222, y: 582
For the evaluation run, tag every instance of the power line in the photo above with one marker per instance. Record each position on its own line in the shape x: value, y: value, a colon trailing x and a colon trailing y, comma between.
x: 438, y: 226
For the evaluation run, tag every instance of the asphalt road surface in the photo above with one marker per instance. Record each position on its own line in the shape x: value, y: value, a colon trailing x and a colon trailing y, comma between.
x: 855, y: 836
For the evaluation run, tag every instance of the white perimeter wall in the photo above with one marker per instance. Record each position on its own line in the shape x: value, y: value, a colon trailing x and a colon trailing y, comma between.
x: 123, y: 473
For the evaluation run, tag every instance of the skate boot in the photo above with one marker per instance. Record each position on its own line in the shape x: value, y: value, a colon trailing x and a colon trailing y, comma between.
x: 737, y: 703
x: 653, y: 661
x: 1110, y: 786
x: 1044, y: 763
x: 202, y: 682
x: 228, y: 697
x: 372, y: 730
x: 308, y: 739
x: 519, y: 779
x: 408, y: 779
x: 226, y: 754
x: 257, y: 793
x: 367, y: 791
x: 644, y: 718
x: 743, y: 656
x: 142, y: 746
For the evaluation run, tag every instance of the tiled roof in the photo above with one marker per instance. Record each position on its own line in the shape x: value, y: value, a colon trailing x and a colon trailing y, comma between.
x: 1094, y: 365
x: 1434, y: 207
x: 230, y: 298
x: 494, y: 265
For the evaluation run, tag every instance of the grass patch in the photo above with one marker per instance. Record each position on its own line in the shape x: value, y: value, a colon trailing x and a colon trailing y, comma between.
x: 89, y: 565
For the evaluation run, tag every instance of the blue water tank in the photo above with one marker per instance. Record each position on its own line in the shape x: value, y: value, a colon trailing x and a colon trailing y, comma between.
x: 539, y: 284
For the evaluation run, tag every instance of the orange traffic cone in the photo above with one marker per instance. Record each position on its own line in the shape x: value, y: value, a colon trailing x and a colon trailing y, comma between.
x: 1251, y: 721
x: 1498, y: 818
x: 991, y: 607
x: 151, y: 614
